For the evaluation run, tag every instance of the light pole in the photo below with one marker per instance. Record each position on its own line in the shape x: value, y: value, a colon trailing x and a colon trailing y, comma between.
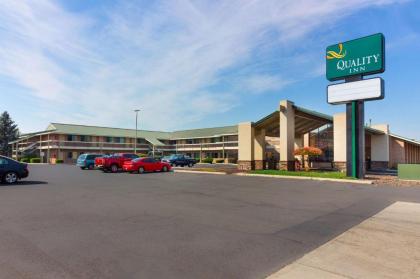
x: 135, y: 141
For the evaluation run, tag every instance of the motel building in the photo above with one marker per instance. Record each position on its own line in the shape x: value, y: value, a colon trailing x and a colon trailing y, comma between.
x: 268, y: 143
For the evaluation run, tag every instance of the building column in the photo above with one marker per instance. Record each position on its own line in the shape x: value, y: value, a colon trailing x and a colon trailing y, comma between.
x: 340, y: 142
x: 380, y: 148
x: 246, y: 146
x: 287, y: 135
x: 306, y: 140
x: 259, y: 149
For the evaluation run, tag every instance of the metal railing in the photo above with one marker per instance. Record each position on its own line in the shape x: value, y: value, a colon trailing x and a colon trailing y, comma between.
x: 22, y: 146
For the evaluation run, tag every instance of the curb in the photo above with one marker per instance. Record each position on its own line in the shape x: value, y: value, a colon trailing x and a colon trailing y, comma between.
x: 201, y: 172
x: 368, y: 182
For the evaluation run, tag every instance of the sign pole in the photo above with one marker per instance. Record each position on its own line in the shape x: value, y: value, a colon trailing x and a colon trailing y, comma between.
x: 355, y: 135
x: 353, y: 139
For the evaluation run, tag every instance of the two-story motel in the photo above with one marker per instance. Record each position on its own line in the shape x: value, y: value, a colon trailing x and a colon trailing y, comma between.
x: 267, y: 143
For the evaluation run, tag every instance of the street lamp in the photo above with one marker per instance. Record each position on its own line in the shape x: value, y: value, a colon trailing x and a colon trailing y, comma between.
x: 135, y: 141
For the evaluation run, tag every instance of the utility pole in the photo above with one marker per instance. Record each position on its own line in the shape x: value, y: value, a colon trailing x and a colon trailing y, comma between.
x: 135, y: 141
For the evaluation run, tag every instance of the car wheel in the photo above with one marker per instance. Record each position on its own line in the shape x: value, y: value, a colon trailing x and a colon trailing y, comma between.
x: 10, y: 177
x: 114, y: 168
x: 91, y: 167
x: 190, y: 165
x: 165, y: 169
x: 141, y: 170
x: 82, y: 168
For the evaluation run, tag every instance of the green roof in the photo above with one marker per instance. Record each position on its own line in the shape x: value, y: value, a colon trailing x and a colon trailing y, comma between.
x: 205, y: 132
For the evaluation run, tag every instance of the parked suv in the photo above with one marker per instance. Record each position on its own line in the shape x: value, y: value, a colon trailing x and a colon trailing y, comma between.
x: 179, y: 160
x: 115, y: 162
x: 11, y: 171
x: 87, y: 161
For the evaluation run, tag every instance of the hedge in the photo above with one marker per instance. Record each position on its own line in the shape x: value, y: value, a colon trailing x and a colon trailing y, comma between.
x: 24, y: 160
x: 207, y: 160
x: 35, y: 160
x: 59, y: 161
x: 218, y: 161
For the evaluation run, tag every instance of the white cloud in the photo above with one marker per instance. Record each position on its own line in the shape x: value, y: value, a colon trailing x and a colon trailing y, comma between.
x: 162, y: 57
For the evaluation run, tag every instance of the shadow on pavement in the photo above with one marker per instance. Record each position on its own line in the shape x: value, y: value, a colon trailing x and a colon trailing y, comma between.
x: 316, y: 232
x: 25, y: 183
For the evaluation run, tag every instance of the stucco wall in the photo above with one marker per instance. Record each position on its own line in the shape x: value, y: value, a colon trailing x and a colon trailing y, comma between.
x: 246, y: 142
x: 340, y: 147
x: 397, y: 153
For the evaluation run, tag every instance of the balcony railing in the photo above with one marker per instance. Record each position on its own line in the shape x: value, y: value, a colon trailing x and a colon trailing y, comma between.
x: 22, y: 146
x: 81, y: 144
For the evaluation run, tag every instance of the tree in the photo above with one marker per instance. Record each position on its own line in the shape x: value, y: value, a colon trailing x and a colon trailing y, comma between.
x: 8, y: 132
x: 305, y: 152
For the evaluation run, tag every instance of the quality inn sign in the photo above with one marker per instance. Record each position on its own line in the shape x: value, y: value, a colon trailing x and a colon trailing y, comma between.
x: 363, y: 56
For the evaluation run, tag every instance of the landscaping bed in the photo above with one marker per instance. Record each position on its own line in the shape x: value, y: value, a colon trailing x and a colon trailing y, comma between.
x: 318, y: 174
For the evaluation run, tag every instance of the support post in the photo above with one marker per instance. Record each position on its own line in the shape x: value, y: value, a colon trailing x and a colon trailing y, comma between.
x: 355, y: 136
x: 355, y: 139
x: 287, y: 135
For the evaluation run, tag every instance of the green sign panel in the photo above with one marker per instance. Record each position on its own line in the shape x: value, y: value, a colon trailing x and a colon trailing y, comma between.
x: 363, y: 56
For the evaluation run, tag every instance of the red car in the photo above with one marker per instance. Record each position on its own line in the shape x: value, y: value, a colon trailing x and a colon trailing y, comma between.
x: 142, y: 165
x: 114, y: 162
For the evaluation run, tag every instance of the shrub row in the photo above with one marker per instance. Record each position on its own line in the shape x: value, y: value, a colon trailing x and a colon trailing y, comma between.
x: 207, y: 160
x: 30, y: 160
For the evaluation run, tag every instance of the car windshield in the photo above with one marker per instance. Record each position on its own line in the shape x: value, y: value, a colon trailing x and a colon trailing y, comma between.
x: 174, y: 156
x: 9, y: 159
x: 82, y: 157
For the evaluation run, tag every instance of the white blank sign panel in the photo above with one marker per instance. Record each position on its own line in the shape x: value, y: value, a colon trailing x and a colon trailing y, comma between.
x: 368, y: 89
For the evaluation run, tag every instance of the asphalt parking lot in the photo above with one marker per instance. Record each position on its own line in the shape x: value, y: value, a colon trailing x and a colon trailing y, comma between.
x: 63, y: 222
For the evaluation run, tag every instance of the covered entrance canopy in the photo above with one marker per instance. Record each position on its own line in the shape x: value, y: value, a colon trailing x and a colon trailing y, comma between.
x: 282, y: 131
x: 305, y: 121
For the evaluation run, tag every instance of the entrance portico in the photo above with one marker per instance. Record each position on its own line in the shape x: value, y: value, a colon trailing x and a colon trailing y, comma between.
x: 271, y: 141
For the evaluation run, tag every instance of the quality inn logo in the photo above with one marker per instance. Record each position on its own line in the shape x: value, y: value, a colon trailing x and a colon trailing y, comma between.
x: 351, y: 65
x: 334, y: 55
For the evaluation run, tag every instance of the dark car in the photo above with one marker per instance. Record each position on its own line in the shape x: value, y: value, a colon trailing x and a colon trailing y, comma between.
x: 179, y: 160
x: 11, y: 170
x: 87, y: 161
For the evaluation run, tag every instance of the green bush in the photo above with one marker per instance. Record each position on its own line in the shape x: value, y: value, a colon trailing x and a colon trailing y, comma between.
x: 142, y: 155
x: 35, y: 160
x: 207, y: 160
x: 59, y: 161
x: 218, y: 161
x: 24, y: 160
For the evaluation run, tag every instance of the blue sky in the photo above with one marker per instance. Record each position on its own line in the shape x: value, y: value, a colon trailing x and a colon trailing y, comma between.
x: 190, y: 64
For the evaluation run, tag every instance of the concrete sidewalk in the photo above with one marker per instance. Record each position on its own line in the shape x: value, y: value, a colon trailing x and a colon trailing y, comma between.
x: 387, y: 245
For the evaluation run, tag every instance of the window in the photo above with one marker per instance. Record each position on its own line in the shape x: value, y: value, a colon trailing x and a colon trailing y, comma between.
x: 71, y: 138
x: 108, y: 139
x: 118, y: 140
x: 82, y: 138
x: 3, y: 161
x: 69, y: 155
